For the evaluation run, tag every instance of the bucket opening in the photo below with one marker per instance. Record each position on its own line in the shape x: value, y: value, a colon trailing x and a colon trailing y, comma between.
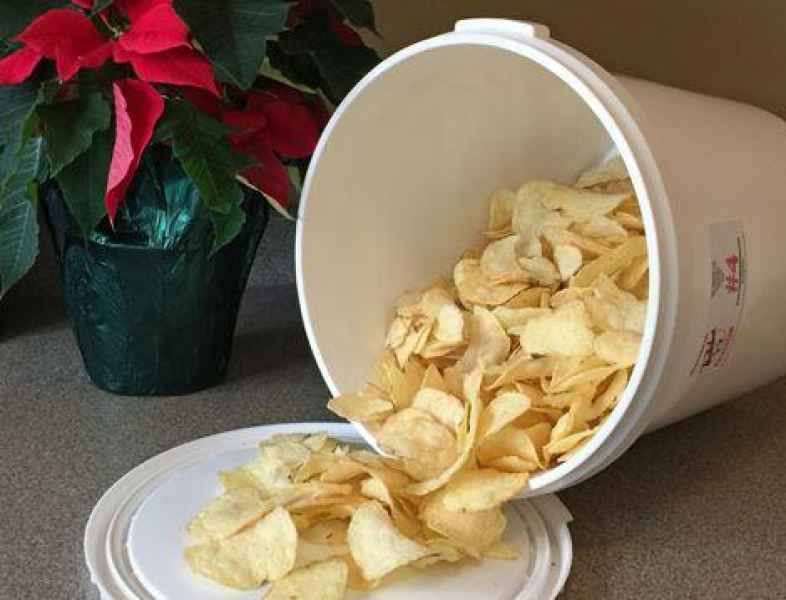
x: 399, y: 184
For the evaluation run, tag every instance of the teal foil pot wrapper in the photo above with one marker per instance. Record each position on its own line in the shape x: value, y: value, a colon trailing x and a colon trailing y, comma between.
x: 153, y: 311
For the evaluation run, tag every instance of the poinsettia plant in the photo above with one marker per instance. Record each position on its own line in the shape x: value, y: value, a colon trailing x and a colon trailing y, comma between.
x: 239, y: 91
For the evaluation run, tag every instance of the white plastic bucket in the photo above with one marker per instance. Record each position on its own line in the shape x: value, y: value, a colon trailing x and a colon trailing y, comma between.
x: 397, y: 188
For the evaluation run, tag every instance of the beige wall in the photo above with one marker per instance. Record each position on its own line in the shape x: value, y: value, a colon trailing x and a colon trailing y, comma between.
x: 735, y: 49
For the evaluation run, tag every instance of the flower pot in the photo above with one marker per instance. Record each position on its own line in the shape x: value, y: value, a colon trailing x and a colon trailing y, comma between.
x: 153, y: 310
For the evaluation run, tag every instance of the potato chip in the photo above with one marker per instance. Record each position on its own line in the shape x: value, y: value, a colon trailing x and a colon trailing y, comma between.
x: 375, y: 489
x: 443, y: 550
x: 325, y: 580
x: 499, y: 261
x: 629, y: 221
x: 228, y: 514
x: 618, y: 347
x: 568, y: 259
x: 557, y: 236
x: 608, y: 399
x: 432, y: 378
x: 565, y: 456
x: 501, y: 411
x: 612, y: 308
x: 309, y: 552
x: 414, y: 435
x: 576, y: 204
x: 266, y: 550
x: 450, y: 325
x: 523, y: 368
x: 586, y: 373
x: 481, y: 489
x: 360, y: 407
x: 488, y: 342
x: 477, y: 530
x: 611, y: 170
x: 445, y: 408
x: 376, y: 545
x: 475, y: 288
x: 610, y: 262
x: 342, y: 470
x: 397, y: 332
x: 469, y: 430
x: 570, y: 294
x: 513, y: 464
x: 566, y: 443
x: 319, y: 442
x: 630, y: 277
x: 511, y: 317
x: 514, y: 441
x: 500, y: 210
x: 529, y: 214
x: 565, y: 332
x: 529, y: 298
x: 540, y: 270
x: 602, y: 227
x: 573, y: 421
x: 500, y: 551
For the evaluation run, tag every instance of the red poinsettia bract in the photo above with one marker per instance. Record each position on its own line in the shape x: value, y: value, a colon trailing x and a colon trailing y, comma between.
x: 138, y: 107
x: 155, y: 44
x: 276, y: 122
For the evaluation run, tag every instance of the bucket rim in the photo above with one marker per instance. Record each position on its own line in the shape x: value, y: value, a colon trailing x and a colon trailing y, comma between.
x: 626, y: 125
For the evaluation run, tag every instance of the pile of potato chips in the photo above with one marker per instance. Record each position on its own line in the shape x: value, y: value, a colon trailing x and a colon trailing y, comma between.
x: 549, y: 311
x: 314, y: 516
x: 502, y: 371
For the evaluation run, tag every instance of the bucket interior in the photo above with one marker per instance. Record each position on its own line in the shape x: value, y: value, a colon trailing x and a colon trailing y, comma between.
x: 399, y: 185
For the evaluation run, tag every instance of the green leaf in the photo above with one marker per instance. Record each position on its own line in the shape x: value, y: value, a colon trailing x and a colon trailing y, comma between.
x: 359, y: 12
x: 15, y: 15
x: 233, y: 33
x: 99, y: 5
x: 18, y: 219
x: 69, y: 127
x: 201, y: 146
x: 83, y: 183
x: 340, y: 67
x: 299, y: 68
x: 271, y: 72
x: 226, y: 227
x: 17, y: 103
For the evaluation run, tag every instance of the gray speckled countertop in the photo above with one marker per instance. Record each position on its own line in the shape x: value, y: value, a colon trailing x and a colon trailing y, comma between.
x: 694, y: 511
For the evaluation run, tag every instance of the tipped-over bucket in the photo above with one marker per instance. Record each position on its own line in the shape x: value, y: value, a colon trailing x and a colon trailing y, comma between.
x: 396, y: 192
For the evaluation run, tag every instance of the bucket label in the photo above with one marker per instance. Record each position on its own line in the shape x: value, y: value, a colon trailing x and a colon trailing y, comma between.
x: 726, y: 294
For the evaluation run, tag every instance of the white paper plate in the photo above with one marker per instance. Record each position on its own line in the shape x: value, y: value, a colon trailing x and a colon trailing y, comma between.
x: 135, y: 537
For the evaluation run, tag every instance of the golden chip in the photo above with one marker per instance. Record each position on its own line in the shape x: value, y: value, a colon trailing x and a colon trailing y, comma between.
x: 500, y: 210
x: 445, y: 408
x: 468, y: 432
x: 360, y: 407
x: 475, y: 288
x: 264, y: 551
x: 427, y: 446
x: 476, y: 530
x: 618, y: 347
x: 488, y: 342
x: 568, y: 259
x: 376, y: 545
x: 501, y: 411
x: 565, y: 332
x: 228, y: 514
x: 611, y: 262
x: 482, y: 489
x: 611, y: 170
x: 321, y: 581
